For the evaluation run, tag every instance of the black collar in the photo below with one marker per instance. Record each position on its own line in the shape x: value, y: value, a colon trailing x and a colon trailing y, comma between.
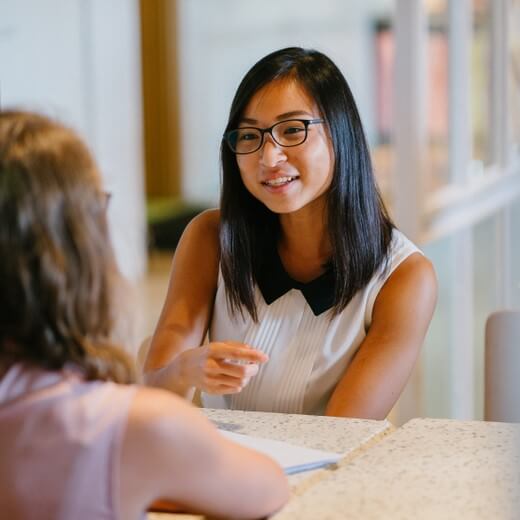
x: 273, y: 282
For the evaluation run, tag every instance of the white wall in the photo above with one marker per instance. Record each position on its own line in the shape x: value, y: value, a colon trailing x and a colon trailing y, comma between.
x: 220, y: 40
x: 79, y: 61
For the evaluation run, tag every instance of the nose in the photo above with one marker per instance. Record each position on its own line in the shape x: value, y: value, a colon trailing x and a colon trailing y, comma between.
x: 271, y: 153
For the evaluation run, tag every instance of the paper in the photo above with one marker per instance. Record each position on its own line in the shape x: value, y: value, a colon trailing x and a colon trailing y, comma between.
x: 293, y: 459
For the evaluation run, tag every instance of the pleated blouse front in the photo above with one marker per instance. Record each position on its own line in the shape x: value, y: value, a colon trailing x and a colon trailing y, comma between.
x: 308, y: 353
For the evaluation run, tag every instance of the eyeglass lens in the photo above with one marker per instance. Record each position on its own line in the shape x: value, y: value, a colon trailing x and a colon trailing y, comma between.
x: 285, y: 133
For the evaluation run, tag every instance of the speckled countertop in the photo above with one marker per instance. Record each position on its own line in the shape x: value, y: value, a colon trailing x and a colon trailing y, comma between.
x: 347, y: 436
x: 318, y: 432
x: 321, y: 433
x: 428, y: 469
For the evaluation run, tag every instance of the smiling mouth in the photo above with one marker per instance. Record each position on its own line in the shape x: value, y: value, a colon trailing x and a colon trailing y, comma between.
x: 280, y: 181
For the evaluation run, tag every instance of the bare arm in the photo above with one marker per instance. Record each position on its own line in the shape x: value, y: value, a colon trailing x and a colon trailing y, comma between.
x: 172, y: 452
x: 380, y: 369
x: 176, y: 360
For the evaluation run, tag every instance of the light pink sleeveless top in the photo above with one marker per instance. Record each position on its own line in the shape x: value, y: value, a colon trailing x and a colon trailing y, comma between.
x: 60, y: 441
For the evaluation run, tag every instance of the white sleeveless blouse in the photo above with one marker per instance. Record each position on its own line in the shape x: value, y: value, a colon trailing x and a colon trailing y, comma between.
x: 308, y: 354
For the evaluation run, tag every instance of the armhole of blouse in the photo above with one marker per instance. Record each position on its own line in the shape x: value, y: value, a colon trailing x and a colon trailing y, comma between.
x: 401, y: 249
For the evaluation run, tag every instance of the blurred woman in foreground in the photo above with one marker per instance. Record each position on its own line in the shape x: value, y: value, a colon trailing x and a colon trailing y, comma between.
x: 77, y: 440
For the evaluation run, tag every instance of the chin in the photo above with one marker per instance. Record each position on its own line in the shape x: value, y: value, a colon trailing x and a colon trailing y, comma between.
x: 282, y: 208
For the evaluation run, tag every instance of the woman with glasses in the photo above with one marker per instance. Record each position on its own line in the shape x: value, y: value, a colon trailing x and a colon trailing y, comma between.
x: 76, y: 440
x: 309, y: 298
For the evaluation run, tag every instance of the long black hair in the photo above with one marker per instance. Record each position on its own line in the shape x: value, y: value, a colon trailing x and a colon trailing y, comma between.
x: 359, y: 227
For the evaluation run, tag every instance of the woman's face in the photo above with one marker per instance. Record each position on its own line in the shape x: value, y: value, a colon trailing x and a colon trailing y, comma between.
x: 287, y: 179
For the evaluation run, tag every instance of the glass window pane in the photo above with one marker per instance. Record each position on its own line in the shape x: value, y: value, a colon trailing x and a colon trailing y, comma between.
x: 484, y: 297
x: 514, y: 242
x: 436, y: 164
x: 436, y: 352
x: 381, y: 139
x: 514, y: 73
x: 436, y: 160
x: 479, y: 83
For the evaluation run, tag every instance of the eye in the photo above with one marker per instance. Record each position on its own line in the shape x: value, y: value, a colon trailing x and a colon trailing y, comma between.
x: 289, y: 130
x: 247, y: 136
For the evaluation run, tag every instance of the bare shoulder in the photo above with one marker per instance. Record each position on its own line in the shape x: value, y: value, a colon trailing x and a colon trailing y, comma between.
x: 198, y: 252
x: 416, y: 270
x: 205, y: 225
x: 170, y: 428
x: 200, y: 240
x: 158, y: 414
x: 208, y: 219
x: 163, y: 436
x: 183, y: 459
x: 413, y: 282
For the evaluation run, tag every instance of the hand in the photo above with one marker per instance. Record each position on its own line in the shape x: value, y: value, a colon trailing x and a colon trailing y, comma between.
x: 223, y: 367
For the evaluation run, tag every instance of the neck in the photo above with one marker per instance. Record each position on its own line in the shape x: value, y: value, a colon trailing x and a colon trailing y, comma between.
x: 304, y: 245
x: 305, y: 233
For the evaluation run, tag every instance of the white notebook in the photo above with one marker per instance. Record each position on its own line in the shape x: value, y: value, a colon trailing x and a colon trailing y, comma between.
x: 291, y: 458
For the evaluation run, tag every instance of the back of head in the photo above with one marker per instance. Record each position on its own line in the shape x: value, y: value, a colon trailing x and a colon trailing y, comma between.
x: 57, y: 270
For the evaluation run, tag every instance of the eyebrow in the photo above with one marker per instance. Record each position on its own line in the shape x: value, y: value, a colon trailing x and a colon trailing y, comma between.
x: 281, y: 117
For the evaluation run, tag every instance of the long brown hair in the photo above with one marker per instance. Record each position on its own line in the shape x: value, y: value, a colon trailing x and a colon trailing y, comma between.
x: 57, y: 269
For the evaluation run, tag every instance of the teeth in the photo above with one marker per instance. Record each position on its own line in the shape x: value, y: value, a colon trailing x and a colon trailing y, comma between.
x: 279, y: 181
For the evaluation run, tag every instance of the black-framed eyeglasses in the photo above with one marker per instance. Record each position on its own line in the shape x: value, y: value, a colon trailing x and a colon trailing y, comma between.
x: 249, y: 139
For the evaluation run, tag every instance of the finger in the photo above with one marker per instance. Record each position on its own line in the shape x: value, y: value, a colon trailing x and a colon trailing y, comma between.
x: 237, y: 352
x: 217, y: 366
x: 211, y: 380
x: 223, y: 390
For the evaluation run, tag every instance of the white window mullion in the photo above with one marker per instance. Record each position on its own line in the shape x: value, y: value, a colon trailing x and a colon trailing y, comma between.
x: 463, y: 350
x: 460, y: 37
x: 411, y: 34
x: 463, y: 358
x: 498, y: 82
x: 503, y: 258
x: 409, y: 135
x: 500, y: 140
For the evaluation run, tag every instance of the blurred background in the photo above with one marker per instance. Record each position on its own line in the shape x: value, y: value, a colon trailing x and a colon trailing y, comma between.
x: 148, y: 84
